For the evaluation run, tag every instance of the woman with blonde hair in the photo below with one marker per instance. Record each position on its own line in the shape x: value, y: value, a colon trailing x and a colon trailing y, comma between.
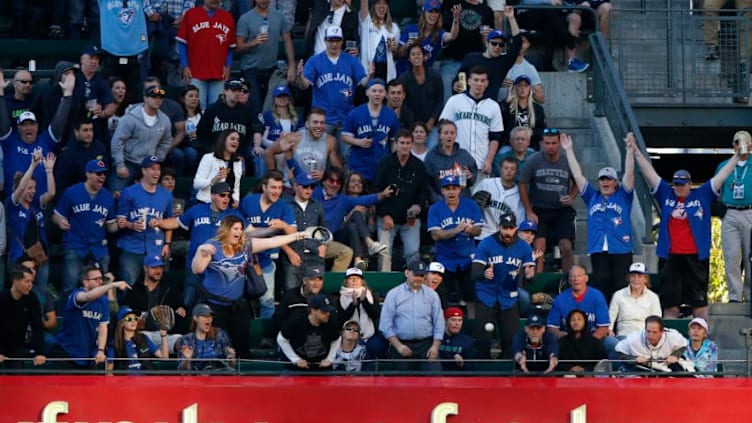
x: 280, y: 119
x: 379, y: 37
x: 224, y: 260
x: 429, y: 33
x: 521, y: 110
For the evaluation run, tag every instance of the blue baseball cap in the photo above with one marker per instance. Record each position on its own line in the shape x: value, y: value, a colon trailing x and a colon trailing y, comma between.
x: 304, y: 179
x: 450, y: 180
x: 153, y: 261
x: 418, y: 267
x: 124, y: 311
x: 375, y: 81
x: 496, y: 34
x: 96, y: 166
x: 281, y: 90
x: 528, y: 225
x: 321, y: 302
x: 522, y: 78
x: 535, y: 320
x: 202, y: 310
x: 150, y: 161
x: 431, y: 5
x: 682, y: 177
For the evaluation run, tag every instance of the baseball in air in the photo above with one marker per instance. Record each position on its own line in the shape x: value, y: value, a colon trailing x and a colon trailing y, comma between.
x: 489, y: 327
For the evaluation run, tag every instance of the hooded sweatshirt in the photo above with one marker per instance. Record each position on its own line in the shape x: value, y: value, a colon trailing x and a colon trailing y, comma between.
x: 134, y: 140
x: 438, y: 164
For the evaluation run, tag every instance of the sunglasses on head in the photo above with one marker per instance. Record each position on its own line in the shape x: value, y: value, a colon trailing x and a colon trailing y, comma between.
x: 551, y: 131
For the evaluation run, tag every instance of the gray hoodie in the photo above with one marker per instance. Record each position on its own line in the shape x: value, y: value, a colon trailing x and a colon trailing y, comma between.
x: 133, y: 140
x: 439, y: 164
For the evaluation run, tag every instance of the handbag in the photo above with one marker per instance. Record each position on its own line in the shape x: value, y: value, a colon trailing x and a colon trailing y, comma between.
x: 36, y: 252
x: 255, y: 286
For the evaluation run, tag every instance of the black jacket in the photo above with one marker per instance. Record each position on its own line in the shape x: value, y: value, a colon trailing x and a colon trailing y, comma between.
x: 412, y: 182
x: 138, y: 299
x: 319, y: 12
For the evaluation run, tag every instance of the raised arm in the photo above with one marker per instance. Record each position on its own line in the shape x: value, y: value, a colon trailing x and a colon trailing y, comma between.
x: 62, y: 115
x: 49, y: 166
x: 363, y: 11
x: 36, y: 158
x: 627, y: 181
x: 651, y: 176
x: 724, y: 172
x: 574, y: 165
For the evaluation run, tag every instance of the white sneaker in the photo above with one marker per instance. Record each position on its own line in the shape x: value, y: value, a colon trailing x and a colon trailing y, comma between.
x: 376, y: 248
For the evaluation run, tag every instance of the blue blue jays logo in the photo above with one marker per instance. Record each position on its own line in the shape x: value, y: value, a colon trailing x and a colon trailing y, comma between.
x: 347, y: 92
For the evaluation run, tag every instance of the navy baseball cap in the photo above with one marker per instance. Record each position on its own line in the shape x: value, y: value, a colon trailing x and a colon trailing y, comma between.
x: 96, y: 166
x: 431, y: 5
x: 321, y: 302
x: 417, y: 267
x: 124, y: 311
x: 150, y: 161
x: 281, y: 90
x: 522, y: 78
x: 528, y: 225
x: 682, y: 177
x: 535, y: 320
x: 313, y: 272
x: 508, y: 220
x: 236, y: 84
x: 91, y: 50
x: 375, y: 81
x: 220, y: 188
x: 153, y: 261
x: 304, y: 179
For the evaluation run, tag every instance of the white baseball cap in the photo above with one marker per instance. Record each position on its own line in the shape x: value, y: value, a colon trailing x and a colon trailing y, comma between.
x: 333, y: 32
x: 437, y: 267
x: 353, y: 271
x: 638, y: 268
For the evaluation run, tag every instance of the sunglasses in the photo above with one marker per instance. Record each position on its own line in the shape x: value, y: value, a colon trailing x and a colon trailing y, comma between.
x: 496, y: 43
x: 224, y: 195
x: 307, y: 186
x: 334, y: 181
x: 131, y: 319
x: 100, y: 173
x: 155, y: 92
x: 551, y: 131
x: 244, y: 91
x: 25, y: 81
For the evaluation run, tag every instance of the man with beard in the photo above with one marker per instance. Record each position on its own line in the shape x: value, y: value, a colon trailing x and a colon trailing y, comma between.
x: 535, y: 349
x: 265, y: 211
x: 84, y: 212
x: 311, y: 341
x: 140, y: 209
x: 202, y: 221
x: 498, y: 260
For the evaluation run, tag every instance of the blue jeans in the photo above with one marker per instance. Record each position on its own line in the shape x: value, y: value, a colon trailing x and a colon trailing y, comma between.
x: 118, y: 184
x: 184, y: 159
x: 449, y: 69
x: 410, y: 236
x: 74, y: 265
x: 267, y: 300
x: 131, y: 265
x: 344, y: 148
x: 190, y: 284
x: 208, y: 91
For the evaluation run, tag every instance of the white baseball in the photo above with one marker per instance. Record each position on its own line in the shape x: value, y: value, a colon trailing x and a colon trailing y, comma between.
x: 489, y: 327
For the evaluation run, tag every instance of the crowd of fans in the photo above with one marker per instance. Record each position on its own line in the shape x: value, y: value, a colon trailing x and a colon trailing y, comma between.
x: 380, y: 145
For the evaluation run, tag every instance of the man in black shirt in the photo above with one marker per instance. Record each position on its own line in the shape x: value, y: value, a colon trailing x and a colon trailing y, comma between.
x: 311, y: 341
x: 21, y: 322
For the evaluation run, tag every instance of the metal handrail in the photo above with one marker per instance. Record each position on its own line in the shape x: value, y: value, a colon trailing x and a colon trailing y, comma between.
x: 612, y: 102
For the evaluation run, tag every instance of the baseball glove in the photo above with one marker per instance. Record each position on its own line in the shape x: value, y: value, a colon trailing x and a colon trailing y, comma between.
x: 164, y: 315
x: 319, y: 233
x: 483, y: 198
x: 541, y: 298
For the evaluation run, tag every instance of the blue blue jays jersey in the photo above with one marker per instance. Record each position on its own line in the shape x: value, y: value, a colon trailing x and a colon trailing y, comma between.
x: 78, y: 336
x: 334, y: 84
x: 454, y: 253
x: 136, y: 202
x: 251, y: 209
x: 360, y: 124
x: 125, y: 33
x: 608, y: 218
x: 202, y: 222
x: 273, y: 127
x: 593, y: 303
x: 18, y: 218
x: 225, y: 276
x: 507, y: 262
x: 88, y: 218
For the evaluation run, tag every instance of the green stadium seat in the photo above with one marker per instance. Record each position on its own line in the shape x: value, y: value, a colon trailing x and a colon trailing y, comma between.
x: 248, y: 184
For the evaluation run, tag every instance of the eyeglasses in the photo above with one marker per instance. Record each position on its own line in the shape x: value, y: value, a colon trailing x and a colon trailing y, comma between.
x: 496, y: 43
x: 334, y: 181
x: 351, y: 329
x: 551, y: 131
x: 244, y: 91
x: 131, y: 319
x: 25, y: 81
x: 307, y: 186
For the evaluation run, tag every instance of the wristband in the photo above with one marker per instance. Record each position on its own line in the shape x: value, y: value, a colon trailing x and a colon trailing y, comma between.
x: 100, y: 349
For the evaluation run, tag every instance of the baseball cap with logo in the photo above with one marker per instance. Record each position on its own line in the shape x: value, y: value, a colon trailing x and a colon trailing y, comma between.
x: 508, y: 220
x: 280, y: 90
x: 608, y: 172
x: 528, y: 225
x: 313, y: 272
x: 522, y: 78
x: 450, y: 180
x: 153, y: 261
x: 535, y: 320
x: 91, y: 50
x: 417, y: 267
x: 453, y: 312
x: 124, y: 311
x: 638, y: 268
x: 150, y: 161
x: 496, y: 34
x: 304, y: 179
x: 682, y: 177
x: 431, y: 5
x: 96, y: 166
x: 436, y: 267
x: 353, y: 271
x: 321, y: 302
x: 236, y: 84
x: 27, y: 116
x: 333, y: 33
x: 202, y: 310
